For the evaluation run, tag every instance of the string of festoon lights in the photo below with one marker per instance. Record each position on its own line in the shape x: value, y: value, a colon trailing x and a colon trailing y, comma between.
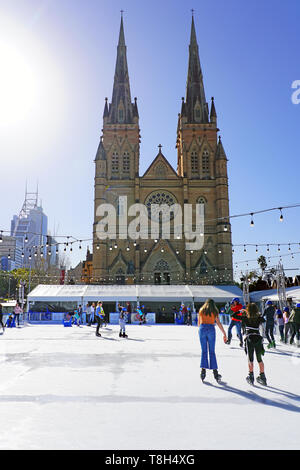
x: 69, y: 241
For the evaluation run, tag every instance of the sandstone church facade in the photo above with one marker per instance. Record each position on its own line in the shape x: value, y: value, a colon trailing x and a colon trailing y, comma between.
x: 200, y: 177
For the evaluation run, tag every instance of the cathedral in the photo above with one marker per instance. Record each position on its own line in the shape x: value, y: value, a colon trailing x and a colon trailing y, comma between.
x: 200, y: 178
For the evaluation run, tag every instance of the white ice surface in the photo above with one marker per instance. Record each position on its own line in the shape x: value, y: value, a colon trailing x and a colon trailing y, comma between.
x: 64, y: 388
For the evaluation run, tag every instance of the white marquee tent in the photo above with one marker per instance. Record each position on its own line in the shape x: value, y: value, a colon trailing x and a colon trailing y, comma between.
x: 291, y: 292
x: 132, y: 293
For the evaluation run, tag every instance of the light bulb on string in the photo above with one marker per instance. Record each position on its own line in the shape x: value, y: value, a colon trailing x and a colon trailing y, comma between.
x: 252, y: 221
x: 245, y: 249
x: 281, y: 216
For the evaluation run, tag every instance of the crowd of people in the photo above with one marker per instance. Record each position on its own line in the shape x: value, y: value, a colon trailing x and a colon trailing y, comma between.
x: 251, y: 327
x: 248, y: 321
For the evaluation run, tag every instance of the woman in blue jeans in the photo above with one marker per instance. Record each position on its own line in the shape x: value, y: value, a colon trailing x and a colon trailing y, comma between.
x: 208, y: 317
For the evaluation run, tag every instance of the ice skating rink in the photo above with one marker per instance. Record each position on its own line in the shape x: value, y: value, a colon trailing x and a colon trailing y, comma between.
x: 64, y: 388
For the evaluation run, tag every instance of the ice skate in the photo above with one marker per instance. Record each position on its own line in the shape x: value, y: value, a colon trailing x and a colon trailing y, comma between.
x: 98, y: 334
x: 125, y: 335
x: 261, y: 379
x: 217, y: 376
x: 203, y: 374
x: 120, y: 334
x: 250, y: 378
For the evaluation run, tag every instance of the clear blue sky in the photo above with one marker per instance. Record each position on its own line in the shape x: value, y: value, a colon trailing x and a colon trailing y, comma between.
x: 249, y: 56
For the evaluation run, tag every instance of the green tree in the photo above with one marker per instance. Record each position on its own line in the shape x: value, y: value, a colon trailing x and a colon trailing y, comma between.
x: 262, y: 262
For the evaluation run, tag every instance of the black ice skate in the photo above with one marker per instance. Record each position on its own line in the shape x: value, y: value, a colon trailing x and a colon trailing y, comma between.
x: 250, y: 378
x: 203, y: 374
x: 261, y: 379
x: 217, y: 376
x: 120, y: 334
x: 125, y: 335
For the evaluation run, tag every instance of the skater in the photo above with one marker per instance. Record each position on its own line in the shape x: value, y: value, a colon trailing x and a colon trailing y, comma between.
x: 1, y: 318
x: 88, y: 313
x: 17, y: 311
x: 10, y: 322
x: 92, y: 314
x: 122, y: 323
x: 236, y: 317
x: 140, y: 315
x: 189, y: 316
x: 295, y: 320
x: 269, y: 315
x: 80, y: 311
x: 99, y: 317
x: 76, y: 318
x: 288, y: 327
x: 184, y: 313
x: 280, y: 323
x: 129, y: 311
x: 251, y: 322
x: 207, y: 318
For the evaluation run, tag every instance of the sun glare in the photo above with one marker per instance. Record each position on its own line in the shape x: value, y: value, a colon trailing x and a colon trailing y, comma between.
x: 18, y: 86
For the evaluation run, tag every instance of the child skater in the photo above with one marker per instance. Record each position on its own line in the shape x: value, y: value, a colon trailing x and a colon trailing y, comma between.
x: 251, y: 321
x: 122, y: 323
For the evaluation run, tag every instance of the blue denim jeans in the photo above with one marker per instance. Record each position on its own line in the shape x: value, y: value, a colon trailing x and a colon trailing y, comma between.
x: 238, y: 326
x: 207, y: 337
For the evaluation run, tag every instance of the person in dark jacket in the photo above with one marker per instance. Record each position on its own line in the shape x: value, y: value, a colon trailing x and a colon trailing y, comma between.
x: 269, y: 315
x: 235, y: 311
x: 251, y: 322
x: 295, y: 320
x: 1, y: 317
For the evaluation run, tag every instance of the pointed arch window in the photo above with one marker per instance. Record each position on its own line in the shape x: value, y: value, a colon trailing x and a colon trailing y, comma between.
x: 202, y: 204
x: 121, y: 115
x: 115, y: 163
x: 194, y: 162
x: 126, y: 162
x: 205, y: 163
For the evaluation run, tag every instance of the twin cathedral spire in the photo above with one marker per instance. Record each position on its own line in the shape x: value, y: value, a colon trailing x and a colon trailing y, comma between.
x: 201, y: 176
x: 194, y: 108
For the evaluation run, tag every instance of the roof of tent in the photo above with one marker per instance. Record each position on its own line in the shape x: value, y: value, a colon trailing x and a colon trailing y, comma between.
x: 61, y: 293
x: 164, y: 293
x: 218, y: 293
x: 131, y: 293
x: 258, y: 295
x: 291, y: 292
